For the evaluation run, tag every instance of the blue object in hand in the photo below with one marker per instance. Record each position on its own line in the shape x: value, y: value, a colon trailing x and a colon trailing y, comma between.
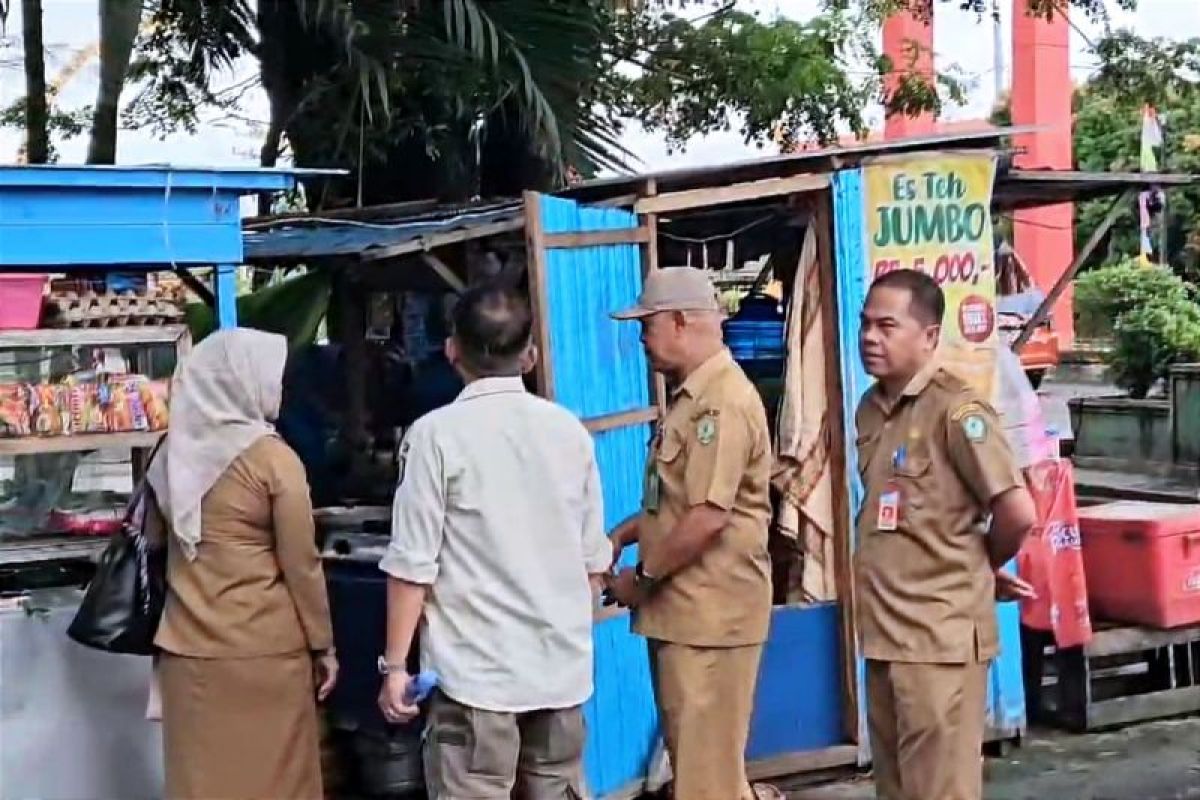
x: 420, y: 687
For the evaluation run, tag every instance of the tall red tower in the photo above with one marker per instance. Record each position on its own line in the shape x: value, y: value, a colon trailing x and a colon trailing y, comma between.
x: 1041, y: 96
x: 902, y: 33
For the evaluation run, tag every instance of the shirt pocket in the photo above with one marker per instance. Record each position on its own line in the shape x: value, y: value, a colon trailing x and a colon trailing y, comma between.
x: 671, y: 449
x: 914, y: 477
x: 864, y: 447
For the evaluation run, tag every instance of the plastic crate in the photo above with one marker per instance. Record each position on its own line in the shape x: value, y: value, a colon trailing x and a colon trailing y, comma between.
x: 21, y: 300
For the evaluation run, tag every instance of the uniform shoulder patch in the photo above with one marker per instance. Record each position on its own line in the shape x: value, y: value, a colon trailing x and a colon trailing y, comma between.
x: 974, y: 428
x: 706, y: 428
x: 967, y: 409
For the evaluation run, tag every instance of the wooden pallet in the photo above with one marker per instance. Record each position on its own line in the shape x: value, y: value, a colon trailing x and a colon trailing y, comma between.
x: 102, y: 310
x: 1125, y: 675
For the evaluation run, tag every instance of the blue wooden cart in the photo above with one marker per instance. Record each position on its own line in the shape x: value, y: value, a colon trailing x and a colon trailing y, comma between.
x: 73, y: 719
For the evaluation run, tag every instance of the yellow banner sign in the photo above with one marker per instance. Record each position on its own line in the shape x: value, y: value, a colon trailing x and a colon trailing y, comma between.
x: 932, y: 213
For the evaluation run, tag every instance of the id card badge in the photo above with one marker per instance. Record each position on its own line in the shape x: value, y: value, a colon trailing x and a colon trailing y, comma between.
x: 889, y: 507
x: 653, y: 490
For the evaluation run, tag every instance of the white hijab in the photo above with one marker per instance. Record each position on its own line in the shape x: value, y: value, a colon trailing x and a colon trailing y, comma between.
x: 225, y: 396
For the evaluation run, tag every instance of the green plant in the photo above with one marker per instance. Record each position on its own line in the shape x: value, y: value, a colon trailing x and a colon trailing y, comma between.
x: 1103, y: 296
x: 1150, y: 338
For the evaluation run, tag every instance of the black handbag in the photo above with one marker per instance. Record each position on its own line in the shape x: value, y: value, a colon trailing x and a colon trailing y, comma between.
x: 124, y: 601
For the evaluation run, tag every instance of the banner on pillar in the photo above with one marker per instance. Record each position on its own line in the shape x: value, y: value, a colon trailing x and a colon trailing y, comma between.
x: 932, y: 213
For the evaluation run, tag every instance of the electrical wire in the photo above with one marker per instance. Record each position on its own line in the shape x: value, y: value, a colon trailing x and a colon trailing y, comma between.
x: 717, y: 237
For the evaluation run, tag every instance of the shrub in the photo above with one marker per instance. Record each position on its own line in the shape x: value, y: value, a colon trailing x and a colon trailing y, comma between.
x: 1150, y: 338
x: 1103, y: 295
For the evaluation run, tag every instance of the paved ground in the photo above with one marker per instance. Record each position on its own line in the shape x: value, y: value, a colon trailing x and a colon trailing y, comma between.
x: 1156, y: 761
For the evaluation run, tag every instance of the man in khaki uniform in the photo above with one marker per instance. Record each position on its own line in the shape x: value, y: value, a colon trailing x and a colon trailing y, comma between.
x: 935, y: 465
x: 702, y: 588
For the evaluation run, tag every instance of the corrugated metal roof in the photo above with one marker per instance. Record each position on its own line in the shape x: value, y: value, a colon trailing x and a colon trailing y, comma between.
x: 314, y: 237
x: 154, y: 176
x: 810, y: 161
x: 1020, y: 189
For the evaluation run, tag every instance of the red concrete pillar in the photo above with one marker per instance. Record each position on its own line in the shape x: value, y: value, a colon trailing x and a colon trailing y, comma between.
x: 1041, y: 95
x: 900, y: 32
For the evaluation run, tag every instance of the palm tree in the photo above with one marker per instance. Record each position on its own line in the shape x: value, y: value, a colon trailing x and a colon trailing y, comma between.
x: 37, y: 111
x: 119, y: 21
x: 449, y: 98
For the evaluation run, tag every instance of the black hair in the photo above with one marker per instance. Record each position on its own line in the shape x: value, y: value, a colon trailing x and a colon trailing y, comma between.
x: 926, y: 301
x: 493, y: 327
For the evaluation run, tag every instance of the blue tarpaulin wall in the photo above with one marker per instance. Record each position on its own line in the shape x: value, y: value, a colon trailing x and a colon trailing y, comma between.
x: 601, y: 369
x: 1006, y: 691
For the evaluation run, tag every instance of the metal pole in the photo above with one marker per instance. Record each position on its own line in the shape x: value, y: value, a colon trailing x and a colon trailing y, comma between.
x: 1162, y: 211
x: 998, y: 52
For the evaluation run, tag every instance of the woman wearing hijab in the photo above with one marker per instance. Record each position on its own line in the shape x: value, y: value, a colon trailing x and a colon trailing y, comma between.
x: 247, y: 645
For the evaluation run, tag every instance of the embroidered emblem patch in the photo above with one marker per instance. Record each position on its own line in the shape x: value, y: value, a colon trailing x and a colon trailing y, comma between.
x: 975, y: 428
x: 706, y: 430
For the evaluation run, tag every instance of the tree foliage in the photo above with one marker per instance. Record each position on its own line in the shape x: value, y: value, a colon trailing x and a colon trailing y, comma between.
x: 1107, y: 132
x: 457, y: 98
x: 1151, y: 315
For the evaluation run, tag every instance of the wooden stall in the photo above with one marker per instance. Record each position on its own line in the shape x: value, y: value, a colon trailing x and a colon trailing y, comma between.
x: 73, y: 718
x: 583, y: 254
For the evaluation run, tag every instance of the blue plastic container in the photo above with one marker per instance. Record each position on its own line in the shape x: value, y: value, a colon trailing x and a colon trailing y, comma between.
x: 755, y: 336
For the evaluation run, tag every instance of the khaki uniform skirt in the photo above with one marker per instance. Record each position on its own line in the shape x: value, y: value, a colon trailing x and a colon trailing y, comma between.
x: 236, y: 729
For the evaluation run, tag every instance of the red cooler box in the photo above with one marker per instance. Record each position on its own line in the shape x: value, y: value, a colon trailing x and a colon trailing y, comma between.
x: 1142, y: 562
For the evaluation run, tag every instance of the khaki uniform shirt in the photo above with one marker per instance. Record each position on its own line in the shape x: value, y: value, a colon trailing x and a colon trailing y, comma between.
x: 926, y: 589
x: 256, y: 587
x: 712, y: 447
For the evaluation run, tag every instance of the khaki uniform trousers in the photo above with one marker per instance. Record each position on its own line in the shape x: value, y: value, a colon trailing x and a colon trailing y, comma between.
x: 705, y: 696
x: 471, y: 754
x: 926, y: 723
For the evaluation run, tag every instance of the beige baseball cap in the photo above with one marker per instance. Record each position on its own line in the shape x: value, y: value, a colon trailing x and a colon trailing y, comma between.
x: 673, y: 289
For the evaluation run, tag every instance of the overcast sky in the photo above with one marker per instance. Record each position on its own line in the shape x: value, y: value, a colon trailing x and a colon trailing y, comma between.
x: 960, y: 39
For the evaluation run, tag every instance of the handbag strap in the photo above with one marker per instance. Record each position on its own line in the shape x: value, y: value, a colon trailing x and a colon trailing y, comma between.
x: 139, y: 491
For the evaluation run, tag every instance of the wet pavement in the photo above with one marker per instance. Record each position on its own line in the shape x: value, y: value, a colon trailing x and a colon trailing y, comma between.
x: 1155, y: 761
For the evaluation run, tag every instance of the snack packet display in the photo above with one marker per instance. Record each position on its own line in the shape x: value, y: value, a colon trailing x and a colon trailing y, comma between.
x: 14, y: 410
x: 155, y: 399
x: 48, y: 411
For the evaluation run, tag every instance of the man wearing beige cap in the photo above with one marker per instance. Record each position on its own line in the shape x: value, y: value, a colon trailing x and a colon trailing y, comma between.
x: 701, y: 590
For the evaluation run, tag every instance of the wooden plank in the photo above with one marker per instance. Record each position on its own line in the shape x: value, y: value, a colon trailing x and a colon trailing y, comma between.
x: 621, y: 420
x: 225, y: 289
x: 1043, y: 311
x: 1119, y: 641
x: 842, y: 755
x: 427, y: 243
x: 598, y: 238
x: 735, y: 193
x: 51, y: 548
x: 620, y: 201
x: 444, y: 272
x: 93, y: 337
x: 650, y: 262
x: 1141, y: 707
x: 822, y: 221
x: 535, y: 248
x: 29, y: 445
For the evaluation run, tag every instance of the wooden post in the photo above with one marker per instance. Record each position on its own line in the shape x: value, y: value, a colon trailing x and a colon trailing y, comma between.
x: 1064, y: 280
x: 535, y: 250
x: 843, y: 564
x: 225, y: 285
x: 649, y: 221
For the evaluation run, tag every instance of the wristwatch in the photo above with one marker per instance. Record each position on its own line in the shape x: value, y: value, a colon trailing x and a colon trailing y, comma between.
x: 645, y: 582
x: 386, y: 668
